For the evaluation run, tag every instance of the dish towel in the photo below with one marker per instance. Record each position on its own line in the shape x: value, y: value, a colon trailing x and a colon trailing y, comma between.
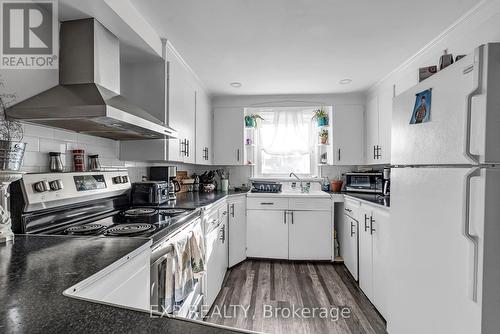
x: 166, y: 272
x: 197, y: 246
x: 183, y: 270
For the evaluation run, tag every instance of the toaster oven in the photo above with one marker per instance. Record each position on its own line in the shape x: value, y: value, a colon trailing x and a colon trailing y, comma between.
x: 366, y: 182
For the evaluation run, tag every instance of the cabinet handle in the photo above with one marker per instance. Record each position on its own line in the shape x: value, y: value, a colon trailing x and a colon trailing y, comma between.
x: 374, y: 154
x: 348, y: 210
x: 266, y: 203
x: 232, y: 210
x: 187, y: 148
x: 339, y: 154
x: 352, y: 232
x: 379, y: 152
x: 238, y: 155
x: 371, y: 225
x: 366, y: 226
x: 291, y: 212
x: 284, y: 216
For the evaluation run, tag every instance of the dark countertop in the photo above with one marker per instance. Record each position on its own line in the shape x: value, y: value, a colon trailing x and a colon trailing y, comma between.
x: 194, y: 200
x: 372, y: 198
x: 35, y: 270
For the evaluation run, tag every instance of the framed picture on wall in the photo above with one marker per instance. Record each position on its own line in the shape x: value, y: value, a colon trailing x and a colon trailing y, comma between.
x: 422, y: 109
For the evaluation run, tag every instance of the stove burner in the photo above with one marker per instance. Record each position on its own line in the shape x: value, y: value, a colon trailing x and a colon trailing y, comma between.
x: 172, y: 212
x: 139, y: 212
x: 85, y: 229
x: 129, y: 229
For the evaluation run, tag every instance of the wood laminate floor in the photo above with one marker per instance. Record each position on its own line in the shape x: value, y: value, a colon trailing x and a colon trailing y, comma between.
x: 264, y: 296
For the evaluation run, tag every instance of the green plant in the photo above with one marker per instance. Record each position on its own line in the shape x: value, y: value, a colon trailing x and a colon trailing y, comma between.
x: 320, y: 113
x: 251, y: 120
x: 323, y: 133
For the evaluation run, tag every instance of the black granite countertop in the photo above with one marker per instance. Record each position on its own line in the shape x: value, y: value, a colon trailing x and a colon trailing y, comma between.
x: 384, y: 201
x: 35, y: 270
x: 194, y: 200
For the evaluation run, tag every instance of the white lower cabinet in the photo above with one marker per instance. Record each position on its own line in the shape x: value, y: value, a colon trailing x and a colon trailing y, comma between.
x: 347, y: 232
x: 309, y: 235
x: 267, y: 234
x: 381, y: 241
x: 365, y: 252
x: 237, y: 230
x: 374, y: 239
x: 278, y: 233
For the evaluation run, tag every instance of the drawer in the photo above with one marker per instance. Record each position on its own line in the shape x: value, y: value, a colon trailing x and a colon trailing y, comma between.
x: 267, y: 203
x: 310, y: 204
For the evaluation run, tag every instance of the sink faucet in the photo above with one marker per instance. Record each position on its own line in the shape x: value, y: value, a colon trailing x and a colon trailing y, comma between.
x: 298, y: 178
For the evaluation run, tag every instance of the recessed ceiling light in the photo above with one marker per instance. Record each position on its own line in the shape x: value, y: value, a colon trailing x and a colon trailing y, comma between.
x: 345, y: 81
x: 235, y: 84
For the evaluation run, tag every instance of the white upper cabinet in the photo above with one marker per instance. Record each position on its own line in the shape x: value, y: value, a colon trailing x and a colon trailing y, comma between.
x: 228, y: 136
x: 204, y: 150
x: 166, y: 88
x: 378, y: 127
x: 384, y: 125
x: 348, y: 140
x: 181, y: 109
x: 372, y: 130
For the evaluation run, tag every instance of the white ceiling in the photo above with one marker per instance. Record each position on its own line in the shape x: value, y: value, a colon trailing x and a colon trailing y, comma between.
x: 298, y: 46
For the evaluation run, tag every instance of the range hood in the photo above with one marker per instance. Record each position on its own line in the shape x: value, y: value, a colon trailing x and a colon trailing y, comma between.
x: 88, y: 99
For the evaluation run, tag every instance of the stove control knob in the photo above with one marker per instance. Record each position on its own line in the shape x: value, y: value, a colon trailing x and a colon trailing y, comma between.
x: 117, y: 179
x: 41, y: 186
x: 125, y: 179
x: 56, y: 185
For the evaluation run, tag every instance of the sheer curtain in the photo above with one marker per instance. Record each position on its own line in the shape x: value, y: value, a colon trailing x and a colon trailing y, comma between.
x: 286, y: 141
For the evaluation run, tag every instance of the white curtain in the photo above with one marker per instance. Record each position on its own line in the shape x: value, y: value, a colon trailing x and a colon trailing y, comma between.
x: 286, y: 140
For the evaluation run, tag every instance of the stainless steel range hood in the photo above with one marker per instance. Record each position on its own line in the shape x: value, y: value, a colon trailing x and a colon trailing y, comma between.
x: 88, y: 99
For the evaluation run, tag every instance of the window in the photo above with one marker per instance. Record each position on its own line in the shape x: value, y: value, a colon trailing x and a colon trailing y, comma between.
x: 285, y: 141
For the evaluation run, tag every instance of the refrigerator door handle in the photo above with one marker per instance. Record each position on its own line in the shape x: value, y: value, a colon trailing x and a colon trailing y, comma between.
x: 478, y: 78
x: 475, y: 172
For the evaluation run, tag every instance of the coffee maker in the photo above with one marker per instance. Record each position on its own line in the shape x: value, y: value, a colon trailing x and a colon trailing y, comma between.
x: 386, y: 190
x: 168, y: 174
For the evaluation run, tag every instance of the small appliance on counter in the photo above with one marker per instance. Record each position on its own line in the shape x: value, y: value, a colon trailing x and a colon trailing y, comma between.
x: 150, y: 193
x: 166, y: 174
x: 387, y: 181
x: 366, y: 182
x: 266, y: 187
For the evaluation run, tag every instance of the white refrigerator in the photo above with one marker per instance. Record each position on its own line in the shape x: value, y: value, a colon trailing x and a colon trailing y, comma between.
x: 445, y: 203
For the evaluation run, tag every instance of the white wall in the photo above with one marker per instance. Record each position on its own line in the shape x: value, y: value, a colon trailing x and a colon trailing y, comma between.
x: 478, y: 26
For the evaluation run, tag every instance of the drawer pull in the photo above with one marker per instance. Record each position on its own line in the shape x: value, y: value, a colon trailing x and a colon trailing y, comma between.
x: 266, y: 203
x: 348, y: 210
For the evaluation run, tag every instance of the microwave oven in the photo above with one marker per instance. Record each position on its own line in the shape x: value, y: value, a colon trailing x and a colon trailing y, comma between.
x: 366, y: 182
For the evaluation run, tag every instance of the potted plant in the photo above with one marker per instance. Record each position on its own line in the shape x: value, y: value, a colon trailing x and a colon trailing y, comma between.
x: 323, y: 136
x: 251, y: 120
x: 321, y: 116
x: 11, y: 147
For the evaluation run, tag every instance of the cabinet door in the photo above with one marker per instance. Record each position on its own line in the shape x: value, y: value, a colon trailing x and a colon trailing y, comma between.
x: 381, y: 259
x: 372, y: 139
x: 365, y: 254
x: 267, y: 234
x: 237, y: 231
x: 181, y: 110
x: 348, y: 134
x: 228, y: 136
x: 310, y: 235
x: 384, y: 125
x: 203, y: 128
x: 348, y: 234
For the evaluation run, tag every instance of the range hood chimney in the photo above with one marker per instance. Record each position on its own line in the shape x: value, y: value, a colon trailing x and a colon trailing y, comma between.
x: 88, y: 99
